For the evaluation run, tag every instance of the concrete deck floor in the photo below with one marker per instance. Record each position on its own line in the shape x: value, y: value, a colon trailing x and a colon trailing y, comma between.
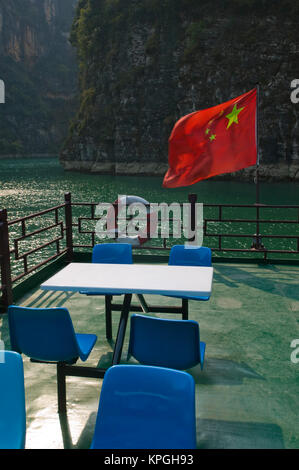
x: 248, y: 392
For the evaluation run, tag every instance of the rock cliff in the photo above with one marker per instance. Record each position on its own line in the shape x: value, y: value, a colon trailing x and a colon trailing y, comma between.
x: 145, y: 64
x: 38, y: 66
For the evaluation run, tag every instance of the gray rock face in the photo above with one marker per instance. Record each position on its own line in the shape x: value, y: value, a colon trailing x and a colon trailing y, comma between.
x: 38, y: 66
x: 143, y: 65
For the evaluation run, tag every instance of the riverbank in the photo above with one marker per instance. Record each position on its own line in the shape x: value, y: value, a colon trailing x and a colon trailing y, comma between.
x: 268, y: 173
x: 274, y: 172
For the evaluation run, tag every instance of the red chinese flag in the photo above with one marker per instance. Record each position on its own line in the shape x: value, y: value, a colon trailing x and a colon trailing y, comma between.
x: 213, y: 141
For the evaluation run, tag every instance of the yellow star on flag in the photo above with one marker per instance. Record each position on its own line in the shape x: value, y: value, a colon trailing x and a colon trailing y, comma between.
x: 233, y: 116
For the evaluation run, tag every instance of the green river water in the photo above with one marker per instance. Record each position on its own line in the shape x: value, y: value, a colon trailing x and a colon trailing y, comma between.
x: 32, y: 184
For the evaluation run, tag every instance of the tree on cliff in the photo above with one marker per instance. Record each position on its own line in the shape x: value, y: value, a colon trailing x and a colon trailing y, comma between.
x: 143, y: 65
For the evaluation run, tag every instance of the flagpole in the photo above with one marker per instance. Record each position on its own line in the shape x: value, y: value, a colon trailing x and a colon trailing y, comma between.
x: 257, y: 242
x: 257, y: 185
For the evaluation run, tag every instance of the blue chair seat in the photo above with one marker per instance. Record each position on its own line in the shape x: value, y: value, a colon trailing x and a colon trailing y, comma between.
x: 12, y: 401
x: 143, y: 407
x: 47, y: 335
x: 166, y: 343
x: 86, y: 343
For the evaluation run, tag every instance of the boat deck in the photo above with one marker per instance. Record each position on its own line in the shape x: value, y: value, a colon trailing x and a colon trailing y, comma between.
x: 247, y: 394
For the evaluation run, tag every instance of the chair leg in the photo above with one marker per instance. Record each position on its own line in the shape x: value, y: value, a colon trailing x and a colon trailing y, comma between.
x: 61, y: 387
x: 108, y: 315
x: 185, y: 309
x: 121, y: 329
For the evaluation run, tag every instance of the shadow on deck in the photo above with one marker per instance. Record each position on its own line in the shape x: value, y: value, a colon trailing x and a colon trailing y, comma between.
x: 247, y: 392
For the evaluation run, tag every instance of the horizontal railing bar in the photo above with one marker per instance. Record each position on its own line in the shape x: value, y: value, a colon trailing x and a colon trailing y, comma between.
x: 253, y: 221
x: 40, y: 247
x: 241, y: 235
x: 44, y: 229
x: 82, y: 246
x: 247, y: 250
x: 39, y: 265
x: 253, y: 206
x: 223, y: 249
x: 151, y: 247
x: 171, y: 234
x: 254, y: 250
x: 134, y: 247
x: 114, y: 204
x: 36, y: 214
x: 85, y: 203
x: 261, y: 221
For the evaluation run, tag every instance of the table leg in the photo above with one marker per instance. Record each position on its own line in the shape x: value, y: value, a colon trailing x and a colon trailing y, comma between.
x: 108, y: 316
x: 185, y: 309
x: 121, y: 329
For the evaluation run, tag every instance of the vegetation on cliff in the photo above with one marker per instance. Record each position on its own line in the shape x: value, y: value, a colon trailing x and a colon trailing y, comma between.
x: 38, y: 66
x: 142, y: 65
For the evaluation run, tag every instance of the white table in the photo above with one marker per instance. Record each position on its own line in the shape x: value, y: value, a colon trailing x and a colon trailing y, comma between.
x: 131, y: 279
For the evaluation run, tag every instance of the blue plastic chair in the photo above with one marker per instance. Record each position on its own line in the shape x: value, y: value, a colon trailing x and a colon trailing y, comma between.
x: 143, y: 407
x: 181, y: 255
x: 47, y: 335
x: 12, y: 401
x: 110, y: 253
x: 166, y: 343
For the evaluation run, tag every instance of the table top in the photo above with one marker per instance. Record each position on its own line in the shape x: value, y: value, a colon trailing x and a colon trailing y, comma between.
x: 133, y: 279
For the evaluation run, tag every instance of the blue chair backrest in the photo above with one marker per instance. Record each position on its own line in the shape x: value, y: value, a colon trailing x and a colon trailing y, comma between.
x: 114, y: 253
x: 164, y: 342
x: 43, y: 334
x: 12, y: 401
x: 181, y: 255
x: 143, y: 407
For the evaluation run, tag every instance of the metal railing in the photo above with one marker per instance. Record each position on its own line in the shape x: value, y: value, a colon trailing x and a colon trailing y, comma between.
x: 224, y: 231
x: 254, y: 238
x: 15, y: 261
x: 258, y: 237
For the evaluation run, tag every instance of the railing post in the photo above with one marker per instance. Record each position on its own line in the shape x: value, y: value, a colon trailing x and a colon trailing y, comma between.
x: 257, y: 239
x: 69, y: 226
x: 6, y: 282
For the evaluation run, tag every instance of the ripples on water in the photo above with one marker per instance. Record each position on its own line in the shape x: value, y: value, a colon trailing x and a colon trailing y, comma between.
x: 31, y: 185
